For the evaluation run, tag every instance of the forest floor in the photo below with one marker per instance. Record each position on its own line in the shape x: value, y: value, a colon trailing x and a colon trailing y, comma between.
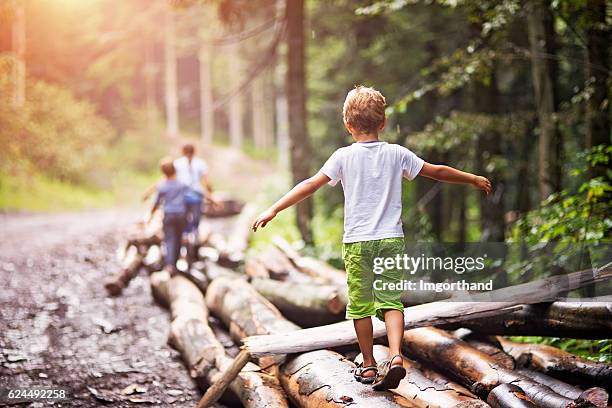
x: 58, y: 327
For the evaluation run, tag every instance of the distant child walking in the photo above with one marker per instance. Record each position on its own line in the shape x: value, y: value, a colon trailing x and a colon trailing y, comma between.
x: 371, y: 172
x: 171, y: 194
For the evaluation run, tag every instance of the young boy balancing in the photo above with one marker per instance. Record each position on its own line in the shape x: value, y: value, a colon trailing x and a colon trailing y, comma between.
x: 171, y: 193
x: 371, y: 172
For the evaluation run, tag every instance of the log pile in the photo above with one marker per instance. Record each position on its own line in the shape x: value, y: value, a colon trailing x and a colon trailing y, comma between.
x: 287, y: 311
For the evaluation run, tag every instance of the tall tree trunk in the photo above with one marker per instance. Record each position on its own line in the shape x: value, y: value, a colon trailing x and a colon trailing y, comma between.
x: 258, y: 106
x: 492, y: 224
x: 541, y: 39
x: 149, y: 72
x: 172, y: 108
x: 598, y: 108
x: 236, y: 129
x: 19, y: 46
x: 296, y: 98
x: 207, y: 114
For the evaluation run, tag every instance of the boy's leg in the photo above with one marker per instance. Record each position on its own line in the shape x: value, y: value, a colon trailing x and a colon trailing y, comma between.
x: 169, y: 241
x: 360, y: 305
x: 394, y: 322
x: 179, y: 228
x: 365, y: 338
x: 388, y: 301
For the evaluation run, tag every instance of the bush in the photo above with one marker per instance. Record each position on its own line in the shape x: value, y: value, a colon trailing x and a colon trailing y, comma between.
x: 55, y: 134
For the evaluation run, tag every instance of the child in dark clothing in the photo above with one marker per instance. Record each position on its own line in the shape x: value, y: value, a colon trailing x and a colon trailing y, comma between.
x: 171, y: 193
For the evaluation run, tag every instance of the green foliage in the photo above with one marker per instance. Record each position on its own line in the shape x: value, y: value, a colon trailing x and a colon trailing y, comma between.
x: 582, y: 215
x: 54, y: 134
x: 596, y: 350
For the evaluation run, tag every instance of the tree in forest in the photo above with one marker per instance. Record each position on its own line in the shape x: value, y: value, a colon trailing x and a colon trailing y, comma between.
x: 18, y: 46
x: 598, y: 72
x: 296, y: 99
x: 170, y: 82
x: 541, y: 38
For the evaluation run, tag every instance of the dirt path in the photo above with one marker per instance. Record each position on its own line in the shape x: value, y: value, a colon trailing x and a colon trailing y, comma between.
x: 58, y: 327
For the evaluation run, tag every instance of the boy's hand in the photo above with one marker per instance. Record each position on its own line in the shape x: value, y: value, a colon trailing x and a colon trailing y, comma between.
x: 482, y: 183
x: 263, y: 219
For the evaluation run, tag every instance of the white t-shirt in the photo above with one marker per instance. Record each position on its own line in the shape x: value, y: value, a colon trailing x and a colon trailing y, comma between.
x: 191, y: 173
x: 371, y: 176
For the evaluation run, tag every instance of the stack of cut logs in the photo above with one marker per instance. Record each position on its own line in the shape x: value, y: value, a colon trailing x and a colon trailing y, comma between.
x: 288, y: 311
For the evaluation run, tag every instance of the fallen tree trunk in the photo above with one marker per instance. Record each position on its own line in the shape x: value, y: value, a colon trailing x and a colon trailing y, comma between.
x: 583, y: 320
x: 312, y: 266
x: 279, y: 267
x: 429, y: 314
x: 153, y: 261
x: 236, y: 245
x: 224, y: 207
x: 130, y: 267
x: 476, y: 369
x: 203, y: 354
x: 509, y: 396
x: 440, y: 379
x: 559, y: 364
x: 307, y: 304
x: 324, y: 379
x: 421, y: 391
x: 245, y: 312
x: 597, y: 395
x: 501, y: 358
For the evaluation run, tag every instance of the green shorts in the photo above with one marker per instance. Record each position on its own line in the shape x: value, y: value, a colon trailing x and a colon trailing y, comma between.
x: 366, y: 297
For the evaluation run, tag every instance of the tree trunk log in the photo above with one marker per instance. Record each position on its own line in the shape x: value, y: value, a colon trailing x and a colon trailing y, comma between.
x: 245, y: 312
x: 501, y: 358
x: 130, y: 268
x: 476, y: 369
x: 323, y: 379
x: 203, y: 354
x: 307, y: 304
x: 584, y: 320
x: 440, y: 379
x: 429, y: 314
x: 509, y: 396
x: 559, y: 364
x: 598, y: 396
x: 232, y: 251
x: 421, y: 391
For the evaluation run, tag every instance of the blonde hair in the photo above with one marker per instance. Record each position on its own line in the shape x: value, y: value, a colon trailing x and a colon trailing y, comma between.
x: 364, y: 109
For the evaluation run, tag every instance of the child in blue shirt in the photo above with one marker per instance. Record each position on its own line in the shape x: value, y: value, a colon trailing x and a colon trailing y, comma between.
x: 171, y: 193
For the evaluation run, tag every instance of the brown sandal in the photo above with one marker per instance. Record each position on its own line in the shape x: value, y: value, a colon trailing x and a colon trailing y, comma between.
x: 360, y: 369
x: 389, y: 375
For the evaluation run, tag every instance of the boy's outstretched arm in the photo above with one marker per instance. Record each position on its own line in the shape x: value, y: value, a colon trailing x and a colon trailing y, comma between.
x: 301, y: 191
x: 450, y: 175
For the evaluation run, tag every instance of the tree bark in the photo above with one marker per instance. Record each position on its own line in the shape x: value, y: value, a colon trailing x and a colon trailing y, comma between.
x: 236, y: 129
x: 598, y: 396
x: 207, y: 113
x: 171, y: 86
x: 323, y: 379
x: 598, y: 105
x: 509, y: 396
x: 203, y: 354
x: 435, y: 313
x: 475, y: 368
x: 18, y: 40
x: 559, y: 364
x: 296, y: 98
x: 584, y: 320
x: 423, y: 392
x: 307, y: 304
x: 541, y: 39
x: 245, y: 312
x: 131, y: 265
